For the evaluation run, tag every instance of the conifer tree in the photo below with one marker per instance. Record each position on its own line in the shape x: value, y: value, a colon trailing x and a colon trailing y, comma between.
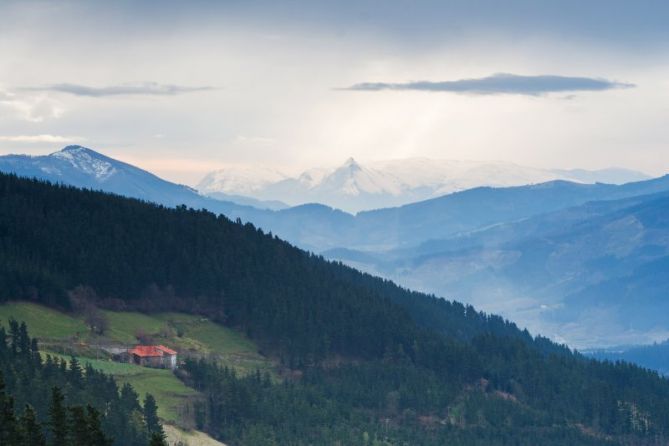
x: 3, y: 340
x: 31, y: 431
x: 14, y: 335
x: 129, y: 398
x: 58, y: 419
x: 157, y: 440
x: 95, y: 435
x: 8, y: 429
x: 151, y: 416
x: 78, y: 426
x: 24, y: 339
x: 76, y: 374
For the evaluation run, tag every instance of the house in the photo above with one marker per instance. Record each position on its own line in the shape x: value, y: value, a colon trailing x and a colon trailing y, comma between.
x: 157, y: 356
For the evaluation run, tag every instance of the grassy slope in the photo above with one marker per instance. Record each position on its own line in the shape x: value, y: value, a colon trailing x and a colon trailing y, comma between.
x: 169, y: 392
x: 43, y: 323
x: 189, y: 335
x: 191, y: 438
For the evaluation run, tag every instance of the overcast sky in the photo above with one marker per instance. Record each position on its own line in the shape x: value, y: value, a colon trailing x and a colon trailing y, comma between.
x: 183, y: 88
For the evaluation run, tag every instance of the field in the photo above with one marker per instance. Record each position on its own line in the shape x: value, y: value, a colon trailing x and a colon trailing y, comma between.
x: 43, y: 323
x: 191, y: 438
x: 64, y: 335
x: 189, y: 335
x: 170, y: 393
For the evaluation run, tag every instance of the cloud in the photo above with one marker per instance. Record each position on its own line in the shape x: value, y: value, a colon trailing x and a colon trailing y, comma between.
x: 143, y: 88
x: 501, y: 83
x: 258, y: 140
x: 29, y: 107
x: 41, y: 139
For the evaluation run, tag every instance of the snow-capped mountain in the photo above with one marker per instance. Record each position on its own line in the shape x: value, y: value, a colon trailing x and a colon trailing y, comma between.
x: 82, y: 167
x: 243, y: 181
x: 355, y: 187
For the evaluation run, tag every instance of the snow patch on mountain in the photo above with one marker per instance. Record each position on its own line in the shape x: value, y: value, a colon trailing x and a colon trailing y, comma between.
x: 239, y: 181
x: 354, y: 187
x: 84, y: 160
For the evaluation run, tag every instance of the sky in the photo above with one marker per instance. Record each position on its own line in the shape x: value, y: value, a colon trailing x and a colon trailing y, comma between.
x: 183, y: 88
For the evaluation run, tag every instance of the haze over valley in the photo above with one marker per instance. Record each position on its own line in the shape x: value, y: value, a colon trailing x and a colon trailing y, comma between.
x: 360, y: 223
x: 543, y: 255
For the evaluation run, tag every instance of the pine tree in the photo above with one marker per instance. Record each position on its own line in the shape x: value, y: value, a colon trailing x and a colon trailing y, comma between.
x: 76, y: 374
x: 24, y: 339
x: 31, y: 431
x: 78, y: 427
x: 151, y: 416
x: 129, y: 398
x: 8, y: 428
x: 14, y: 335
x: 95, y: 435
x: 58, y: 419
x: 157, y: 440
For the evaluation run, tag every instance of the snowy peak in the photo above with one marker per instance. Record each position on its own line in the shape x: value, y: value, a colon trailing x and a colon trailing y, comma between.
x: 239, y: 181
x: 75, y: 149
x: 351, y: 164
x: 353, y: 186
x: 85, y: 160
x: 352, y: 179
x: 313, y: 177
x: 85, y: 168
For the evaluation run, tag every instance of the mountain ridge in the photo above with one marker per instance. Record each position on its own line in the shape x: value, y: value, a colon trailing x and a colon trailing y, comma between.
x: 83, y: 167
x: 356, y: 187
x: 368, y: 359
x: 419, y: 239
x: 590, y: 275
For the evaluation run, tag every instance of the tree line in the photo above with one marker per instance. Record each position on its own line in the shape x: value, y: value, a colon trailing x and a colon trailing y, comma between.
x: 59, y: 403
x: 377, y: 362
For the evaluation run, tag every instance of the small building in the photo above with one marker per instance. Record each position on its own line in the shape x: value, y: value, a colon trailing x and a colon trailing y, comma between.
x: 157, y: 356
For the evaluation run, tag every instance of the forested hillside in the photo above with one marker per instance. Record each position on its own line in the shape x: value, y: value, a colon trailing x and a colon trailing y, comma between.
x: 141, y: 256
x: 595, y: 275
x: 369, y: 362
x: 51, y: 401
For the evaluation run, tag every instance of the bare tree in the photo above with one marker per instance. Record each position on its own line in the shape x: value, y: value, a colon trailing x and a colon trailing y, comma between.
x: 83, y: 301
x: 96, y: 320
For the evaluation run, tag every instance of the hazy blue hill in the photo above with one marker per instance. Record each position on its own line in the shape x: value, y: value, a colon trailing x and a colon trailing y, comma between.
x: 310, y: 226
x: 545, y: 255
x: 317, y: 227
x: 594, y: 274
x: 477, y: 208
x: 273, y: 205
x: 611, y: 175
x: 349, y: 343
x: 653, y: 356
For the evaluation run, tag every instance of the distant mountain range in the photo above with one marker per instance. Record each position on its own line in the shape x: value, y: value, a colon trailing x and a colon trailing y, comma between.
x: 378, y: 362
x: 584, y: 263
x: 595, y: 274
x: 355, y: 187
x: 653, y: 356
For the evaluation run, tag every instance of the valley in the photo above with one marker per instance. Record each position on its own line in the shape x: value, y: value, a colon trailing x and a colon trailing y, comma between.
x: 334, y: 223
x: 516, y: 251
x: 347, y: 350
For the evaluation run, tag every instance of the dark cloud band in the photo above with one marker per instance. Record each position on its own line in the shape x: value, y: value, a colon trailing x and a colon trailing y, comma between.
x: 145, y: 88
x: 501, y: 83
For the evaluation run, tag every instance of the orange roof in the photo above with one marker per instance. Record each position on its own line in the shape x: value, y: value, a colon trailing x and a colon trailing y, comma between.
x: 151, y: 350
x: 169, y: 351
